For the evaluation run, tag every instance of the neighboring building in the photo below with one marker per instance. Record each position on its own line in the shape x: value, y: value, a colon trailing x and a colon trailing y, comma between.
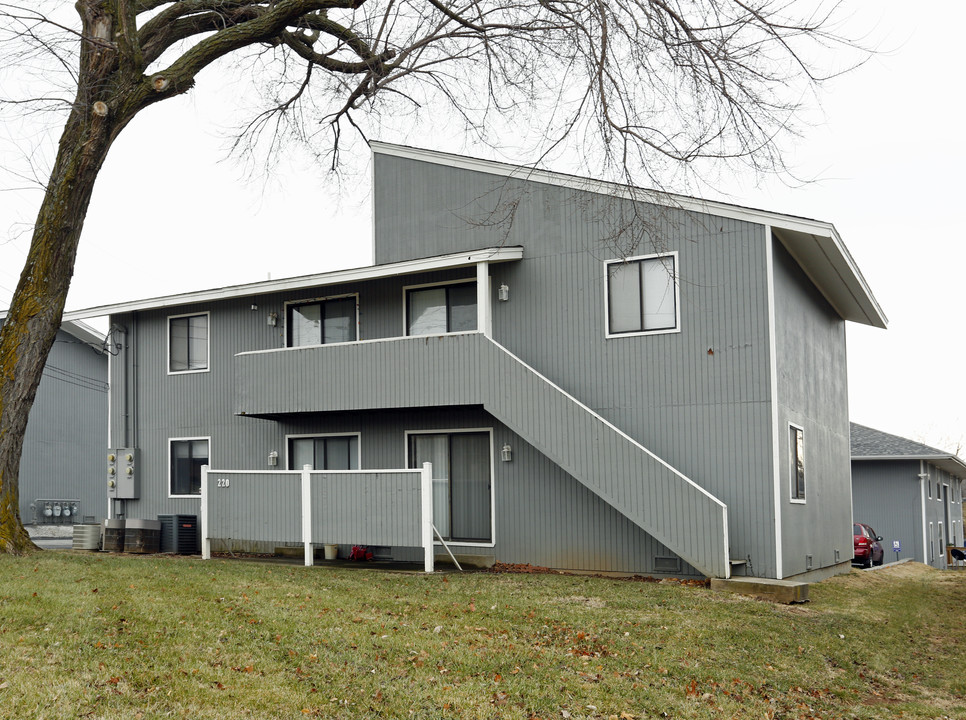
x: 675, y: 408
x: 908, y: 492
x: 61, y: 467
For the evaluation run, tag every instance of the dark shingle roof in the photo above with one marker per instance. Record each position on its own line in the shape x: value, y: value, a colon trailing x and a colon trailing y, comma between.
x: 868, y: 442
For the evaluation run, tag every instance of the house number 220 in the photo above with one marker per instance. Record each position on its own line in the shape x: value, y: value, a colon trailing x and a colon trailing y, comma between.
x: 222, y: 482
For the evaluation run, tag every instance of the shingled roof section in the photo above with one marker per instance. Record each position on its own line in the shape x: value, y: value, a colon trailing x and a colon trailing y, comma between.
x: 866, y: 442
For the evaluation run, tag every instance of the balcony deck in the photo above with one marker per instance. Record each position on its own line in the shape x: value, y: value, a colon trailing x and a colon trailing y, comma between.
x: 471, y: 369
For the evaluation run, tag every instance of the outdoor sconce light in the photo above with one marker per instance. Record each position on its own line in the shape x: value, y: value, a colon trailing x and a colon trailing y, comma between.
x: 273, y: 458
x: 506, y: 455
x: 273, y: 319
x: 503, y: 294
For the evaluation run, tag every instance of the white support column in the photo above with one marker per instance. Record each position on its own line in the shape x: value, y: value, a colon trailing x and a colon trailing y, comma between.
x: 484, y: 310
x: 426, y: 486
x: 203, y: 520
x: 307, y: 513
x: 923, y: 478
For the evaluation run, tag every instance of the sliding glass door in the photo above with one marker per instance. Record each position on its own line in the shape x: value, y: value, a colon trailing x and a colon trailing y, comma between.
x: 461, y: 482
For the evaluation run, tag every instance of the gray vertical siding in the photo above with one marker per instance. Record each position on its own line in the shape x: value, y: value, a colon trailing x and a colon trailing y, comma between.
x: 813, y: 394
x: 255, y: 507
x: 367, y: 508
x: 707, y: 414
x: 66, y: 440
x: 886, y: 495
x: 379, y: 508
x: 471, y: 369
x: 700, y: 398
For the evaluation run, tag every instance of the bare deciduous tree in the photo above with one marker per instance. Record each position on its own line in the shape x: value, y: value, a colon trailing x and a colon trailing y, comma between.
x: 642, y: 87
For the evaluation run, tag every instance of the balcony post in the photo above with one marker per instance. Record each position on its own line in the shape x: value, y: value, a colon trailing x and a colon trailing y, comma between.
x: 307, y: 513
x: 203, y: 520
x: 483, y: 307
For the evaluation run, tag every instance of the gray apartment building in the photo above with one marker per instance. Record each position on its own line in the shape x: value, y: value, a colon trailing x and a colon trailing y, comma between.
x: 61, y: 466
x: 910, y: 493
x: 603, y: 379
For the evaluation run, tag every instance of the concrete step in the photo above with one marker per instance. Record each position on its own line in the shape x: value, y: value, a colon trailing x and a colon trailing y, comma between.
x: 779, y: 591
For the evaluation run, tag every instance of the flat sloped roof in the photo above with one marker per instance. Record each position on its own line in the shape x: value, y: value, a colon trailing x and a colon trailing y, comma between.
x: 369, y: 272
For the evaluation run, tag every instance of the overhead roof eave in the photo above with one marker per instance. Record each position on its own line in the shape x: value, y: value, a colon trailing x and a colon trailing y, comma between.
x: 950, y: 463
x: 370, y: 272
x: 80, y: 330
x: 828, y: 264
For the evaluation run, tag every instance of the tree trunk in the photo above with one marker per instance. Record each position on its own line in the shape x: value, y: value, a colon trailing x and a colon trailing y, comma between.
x: 37, y: 306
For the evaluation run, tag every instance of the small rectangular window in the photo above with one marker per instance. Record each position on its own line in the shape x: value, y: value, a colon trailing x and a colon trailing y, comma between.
x: 797, y: 448
x: 642, y: 295
x: 441, y: 309
x: 328, y: 452
x: 322, y: 322
x: 188, y: 343
x: 187, y: 458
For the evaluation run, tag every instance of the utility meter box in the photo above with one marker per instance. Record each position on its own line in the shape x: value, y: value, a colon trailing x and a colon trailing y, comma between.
x: 123, y: 480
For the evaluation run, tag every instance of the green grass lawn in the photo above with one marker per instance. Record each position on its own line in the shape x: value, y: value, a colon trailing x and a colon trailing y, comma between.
x: 111, y: 636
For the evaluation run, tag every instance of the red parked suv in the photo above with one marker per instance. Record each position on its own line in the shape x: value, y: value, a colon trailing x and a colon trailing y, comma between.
x: 866, y: 549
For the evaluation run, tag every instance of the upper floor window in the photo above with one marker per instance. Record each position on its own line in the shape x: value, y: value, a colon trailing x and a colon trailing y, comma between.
x: 642, y: 295
x: 441, y: 309
x: 188, y: 455
x: 322, y: 321
x: 325, y: 452
x: 188, y: 343
x: 797, y: 452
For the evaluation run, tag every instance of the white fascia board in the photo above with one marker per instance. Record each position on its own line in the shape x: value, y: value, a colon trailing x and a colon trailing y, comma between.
x: 950, y: 463
x: 85, y: 333
x: 829, y: 266
x: 369, y: 272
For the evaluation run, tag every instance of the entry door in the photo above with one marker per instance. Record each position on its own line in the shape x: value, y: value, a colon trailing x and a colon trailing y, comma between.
x: 461, y: 482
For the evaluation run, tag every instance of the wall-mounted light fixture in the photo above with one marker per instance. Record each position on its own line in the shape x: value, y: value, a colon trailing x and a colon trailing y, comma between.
x: 273, y: 319
x: 273, y: 458
x: 503, y: 294
x: 506, y: 454
x: 254, y: 307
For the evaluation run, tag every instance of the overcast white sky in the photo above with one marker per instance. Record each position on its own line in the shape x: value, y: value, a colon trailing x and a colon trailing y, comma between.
x: 170, y: 215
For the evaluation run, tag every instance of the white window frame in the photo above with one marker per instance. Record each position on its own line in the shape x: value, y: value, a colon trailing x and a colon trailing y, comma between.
x: 792, y: 470
x: 608, y: 335
x: 453, y: 431
x: 310, y: 301
x: 167, y: 347
x: 170, y: 469
x: 462, y: 281
x: 304, y: 436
